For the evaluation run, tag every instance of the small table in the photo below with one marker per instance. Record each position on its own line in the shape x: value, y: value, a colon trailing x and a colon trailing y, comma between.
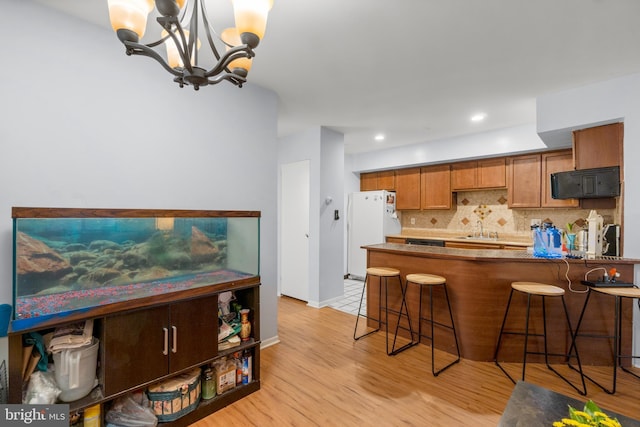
x: 531, y: 405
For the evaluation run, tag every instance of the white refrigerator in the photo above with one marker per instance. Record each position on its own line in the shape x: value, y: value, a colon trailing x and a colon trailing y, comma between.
x: 371, y: 215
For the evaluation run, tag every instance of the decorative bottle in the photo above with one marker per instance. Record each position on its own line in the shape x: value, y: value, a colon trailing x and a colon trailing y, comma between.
x: 245, y: 325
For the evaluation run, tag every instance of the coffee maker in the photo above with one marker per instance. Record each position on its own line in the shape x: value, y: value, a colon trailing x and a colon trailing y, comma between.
x: 611, y: 240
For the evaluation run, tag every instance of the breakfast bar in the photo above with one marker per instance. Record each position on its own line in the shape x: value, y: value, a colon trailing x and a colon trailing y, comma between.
x: 479, y: 283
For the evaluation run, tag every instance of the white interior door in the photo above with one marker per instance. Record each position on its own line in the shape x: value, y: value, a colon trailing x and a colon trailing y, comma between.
x: 294, y: 230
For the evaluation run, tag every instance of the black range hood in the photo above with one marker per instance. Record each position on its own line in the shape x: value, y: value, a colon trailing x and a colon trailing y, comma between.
x: 586, y: 183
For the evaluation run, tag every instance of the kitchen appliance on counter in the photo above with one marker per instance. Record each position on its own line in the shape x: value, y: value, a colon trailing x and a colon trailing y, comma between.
x: 595, y: 224
x: 371, y: 215
x: 611, y: 240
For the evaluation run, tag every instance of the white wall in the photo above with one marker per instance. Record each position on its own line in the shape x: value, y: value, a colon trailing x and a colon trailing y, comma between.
x: 519, y: 139
x: 83, y: 125
x: 325, y: 151
x: 331, y: 230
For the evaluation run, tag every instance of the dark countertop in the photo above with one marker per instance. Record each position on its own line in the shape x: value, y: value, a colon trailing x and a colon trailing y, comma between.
x: 531, y: 405
x: 484, y: 254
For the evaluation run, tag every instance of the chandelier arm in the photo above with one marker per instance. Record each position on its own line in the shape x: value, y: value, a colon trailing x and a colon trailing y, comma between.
x: 233, y: 78
x: 185, y: 54
x: 144, y: 50
x: 193, y: 34
x: 207, y: 29
x: 242, y: 51
x: 167, y: 23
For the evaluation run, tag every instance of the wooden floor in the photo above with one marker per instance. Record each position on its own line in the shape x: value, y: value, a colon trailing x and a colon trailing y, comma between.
x: 318, y: 376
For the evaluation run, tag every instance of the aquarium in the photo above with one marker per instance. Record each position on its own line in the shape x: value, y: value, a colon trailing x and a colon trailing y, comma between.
x: 70, y: 260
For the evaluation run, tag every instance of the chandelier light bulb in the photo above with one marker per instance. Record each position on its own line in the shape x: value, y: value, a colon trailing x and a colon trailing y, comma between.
x: 130, y: 15
x: 231, y: 37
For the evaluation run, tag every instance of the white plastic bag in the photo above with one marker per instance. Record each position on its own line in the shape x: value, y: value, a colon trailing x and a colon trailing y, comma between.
x: 42, y: 389
x: 131, y: 410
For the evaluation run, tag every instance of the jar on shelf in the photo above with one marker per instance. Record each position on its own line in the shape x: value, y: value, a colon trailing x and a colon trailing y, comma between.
x: 208, y: 384
x: 245, y: 325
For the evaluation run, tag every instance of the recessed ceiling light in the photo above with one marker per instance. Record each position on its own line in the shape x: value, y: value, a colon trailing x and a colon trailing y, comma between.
x: 379, y: 137
x: 478, y: 117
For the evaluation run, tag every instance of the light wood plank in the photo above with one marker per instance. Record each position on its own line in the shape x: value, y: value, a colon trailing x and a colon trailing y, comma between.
x: 318, y: 376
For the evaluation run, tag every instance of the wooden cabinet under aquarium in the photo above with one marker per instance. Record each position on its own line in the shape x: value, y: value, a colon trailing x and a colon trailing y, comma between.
x: 151, y: 281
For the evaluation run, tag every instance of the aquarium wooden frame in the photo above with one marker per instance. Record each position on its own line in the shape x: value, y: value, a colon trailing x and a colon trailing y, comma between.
x: 248, y: 287
x: 22, y: 212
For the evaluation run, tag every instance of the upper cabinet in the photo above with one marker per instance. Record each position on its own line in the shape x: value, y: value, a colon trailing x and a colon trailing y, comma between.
x: 383, y: 180
x: 599, y: 146
x: 480, y: 174
x: 408, y: 189
x: 557, y: 161
x: 529, y: 179
x: 435, y: 187
x: 524, y: 181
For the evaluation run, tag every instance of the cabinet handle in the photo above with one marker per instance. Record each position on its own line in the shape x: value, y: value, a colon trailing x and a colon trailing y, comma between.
x: 166, y: 341
x: 174, y: 347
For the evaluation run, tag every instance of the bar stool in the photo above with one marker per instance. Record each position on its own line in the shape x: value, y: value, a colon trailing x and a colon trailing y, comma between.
x: 618, y: 294
x: 544, y: 291
x: 384, y: 274
x: 430, y: 281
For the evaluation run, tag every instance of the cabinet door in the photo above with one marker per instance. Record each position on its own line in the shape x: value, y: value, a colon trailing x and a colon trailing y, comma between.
x: 463, y: 176
x: 435, y: 187
x: 559, y: 161
x: 395, y: 240
x: 463, y: 245
x: 194, y: 332
x: 133, y: 348
x: 524, y: 182
x: 408, y: 188
x: 386, y: 180
x: 599, y: 146
x: 491, y: 173
x: 369, y: 181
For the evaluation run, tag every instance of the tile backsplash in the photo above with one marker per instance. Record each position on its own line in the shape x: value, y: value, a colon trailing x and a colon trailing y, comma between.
x: 490, y: 208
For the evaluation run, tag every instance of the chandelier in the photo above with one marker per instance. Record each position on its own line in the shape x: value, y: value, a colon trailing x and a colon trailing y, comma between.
x: 183, y: 22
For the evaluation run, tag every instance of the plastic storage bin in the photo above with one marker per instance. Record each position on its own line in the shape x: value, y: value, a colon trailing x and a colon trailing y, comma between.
x: 75, y: 371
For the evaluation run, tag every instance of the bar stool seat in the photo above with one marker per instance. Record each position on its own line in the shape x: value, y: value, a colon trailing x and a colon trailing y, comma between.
x: 544, y: 291
x: 431, y: 280
x: 384, y: 274
x: 618, y: 294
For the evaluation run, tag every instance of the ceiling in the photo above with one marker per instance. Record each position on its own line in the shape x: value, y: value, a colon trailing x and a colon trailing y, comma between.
x: 417, y: 70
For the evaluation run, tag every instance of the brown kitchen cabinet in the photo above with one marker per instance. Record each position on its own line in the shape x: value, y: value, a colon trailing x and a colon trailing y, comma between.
x: 557, y: 161
x: 479, y: 174
x: 435, y: 187
x: 598, y: 147
x: 369, y: 181
x: 408, y: 189
x: 158, y: 341
x: 523, y: 189
x: 395, y: 240
x: 529, y: 183
x: 382, y: 180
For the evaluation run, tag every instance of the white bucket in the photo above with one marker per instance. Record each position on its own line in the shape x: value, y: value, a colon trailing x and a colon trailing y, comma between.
x: 76, y: 371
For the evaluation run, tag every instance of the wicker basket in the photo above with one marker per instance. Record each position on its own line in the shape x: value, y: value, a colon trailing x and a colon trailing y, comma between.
x: 176, y: 396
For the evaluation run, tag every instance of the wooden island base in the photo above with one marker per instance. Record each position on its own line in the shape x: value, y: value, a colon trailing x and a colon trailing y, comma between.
x: 479, y: 283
